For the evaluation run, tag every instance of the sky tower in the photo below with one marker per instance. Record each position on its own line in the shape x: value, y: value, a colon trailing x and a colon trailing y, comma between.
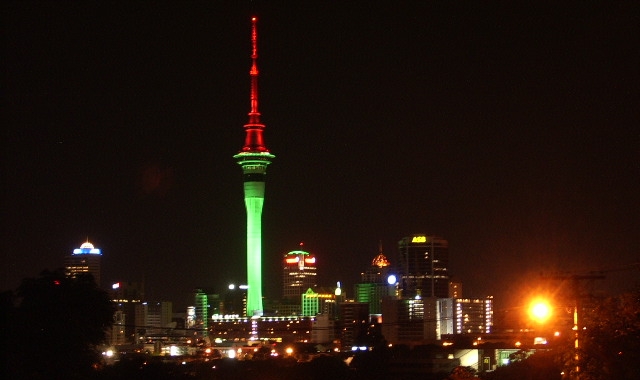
x: 254, y: 158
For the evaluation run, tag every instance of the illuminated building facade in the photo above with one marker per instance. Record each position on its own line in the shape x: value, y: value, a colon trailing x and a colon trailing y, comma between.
x: 85, y: 259
x: 424, y: 262
x: 466, y: 315
x: 208, y: 304
x: 276, y: 329
x: 313, y: 302
x: 299, y: 273
x: 254, y: 157
x: 374, y: 284
x: 378, y: 271
x: 201, y: 313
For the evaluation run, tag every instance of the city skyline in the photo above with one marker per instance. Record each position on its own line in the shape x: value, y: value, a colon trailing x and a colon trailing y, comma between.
x: 510, y: 131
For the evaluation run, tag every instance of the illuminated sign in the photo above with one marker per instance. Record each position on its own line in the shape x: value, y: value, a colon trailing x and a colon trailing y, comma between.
x: 419, y: 239
x: 310, y: 261
x: 293, y: 261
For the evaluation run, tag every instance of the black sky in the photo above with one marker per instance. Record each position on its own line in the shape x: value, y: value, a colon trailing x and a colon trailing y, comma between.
x: 510, y: 130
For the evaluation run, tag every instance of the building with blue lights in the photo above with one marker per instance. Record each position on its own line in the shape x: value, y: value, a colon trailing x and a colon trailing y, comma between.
x: 85, y: 259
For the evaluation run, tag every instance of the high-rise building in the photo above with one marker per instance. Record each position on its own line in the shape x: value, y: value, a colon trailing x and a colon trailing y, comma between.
x: 465, y: 315
x: 201, y: 318
x: 424, y: 262
x: 125, y: 296
x: 404, y: 320
x: 207, y: 303
x: 85, y: 259
x: 474, y: 316
x: 254, y: 157
x: 374, y: 283
x: 299, y: 273
x: 378, y: 270
x: 354, y: 321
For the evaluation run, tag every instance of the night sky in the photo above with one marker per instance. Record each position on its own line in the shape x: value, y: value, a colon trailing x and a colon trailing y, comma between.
x: 510, y: 130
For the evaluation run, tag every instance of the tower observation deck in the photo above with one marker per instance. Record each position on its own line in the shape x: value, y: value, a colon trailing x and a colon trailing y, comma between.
x: 254, y: 158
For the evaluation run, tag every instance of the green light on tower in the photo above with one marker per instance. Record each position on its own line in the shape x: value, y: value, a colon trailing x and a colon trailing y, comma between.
x: 254, y: 158
x: 254, y: 167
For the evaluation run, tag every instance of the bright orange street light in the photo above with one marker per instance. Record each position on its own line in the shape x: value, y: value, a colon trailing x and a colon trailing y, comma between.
x: 540, y: 310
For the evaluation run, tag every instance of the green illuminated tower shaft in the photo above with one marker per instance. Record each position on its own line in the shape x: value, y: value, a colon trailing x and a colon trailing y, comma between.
x: 254, y: 158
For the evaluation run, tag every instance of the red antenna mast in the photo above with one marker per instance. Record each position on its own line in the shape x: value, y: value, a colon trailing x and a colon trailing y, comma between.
x: 254, y: 115
x: 253, y: 140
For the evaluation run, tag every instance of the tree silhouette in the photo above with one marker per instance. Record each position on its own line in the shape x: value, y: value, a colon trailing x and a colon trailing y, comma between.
x: 609, y: 347
x: 56, y: 324
x: 611, y: 339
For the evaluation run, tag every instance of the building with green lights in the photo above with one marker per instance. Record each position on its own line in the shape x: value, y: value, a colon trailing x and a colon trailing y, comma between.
x: 314, y: 302
x: 374, y: 284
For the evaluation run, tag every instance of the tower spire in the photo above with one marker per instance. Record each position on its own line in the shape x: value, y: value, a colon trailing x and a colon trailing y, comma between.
x: 254, y: 115
x: 253, y: 140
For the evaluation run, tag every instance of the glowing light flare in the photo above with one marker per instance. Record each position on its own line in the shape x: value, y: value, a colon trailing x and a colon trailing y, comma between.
x: 540, y: 310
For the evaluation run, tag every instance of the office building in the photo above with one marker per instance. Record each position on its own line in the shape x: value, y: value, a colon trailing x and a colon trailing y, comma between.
x: 200, y: 318
x: 410, y: 320
x: 424, y: 264
x: 323, y: 329
x: 313, y: 301
x: 299, y: 273
x: 85, y: 259
x: 353, y: 323
x: 460, y: 316
x: 374, y: 284
x: 125, y: 296
x: 154, y: 320
x: 378, y: 271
